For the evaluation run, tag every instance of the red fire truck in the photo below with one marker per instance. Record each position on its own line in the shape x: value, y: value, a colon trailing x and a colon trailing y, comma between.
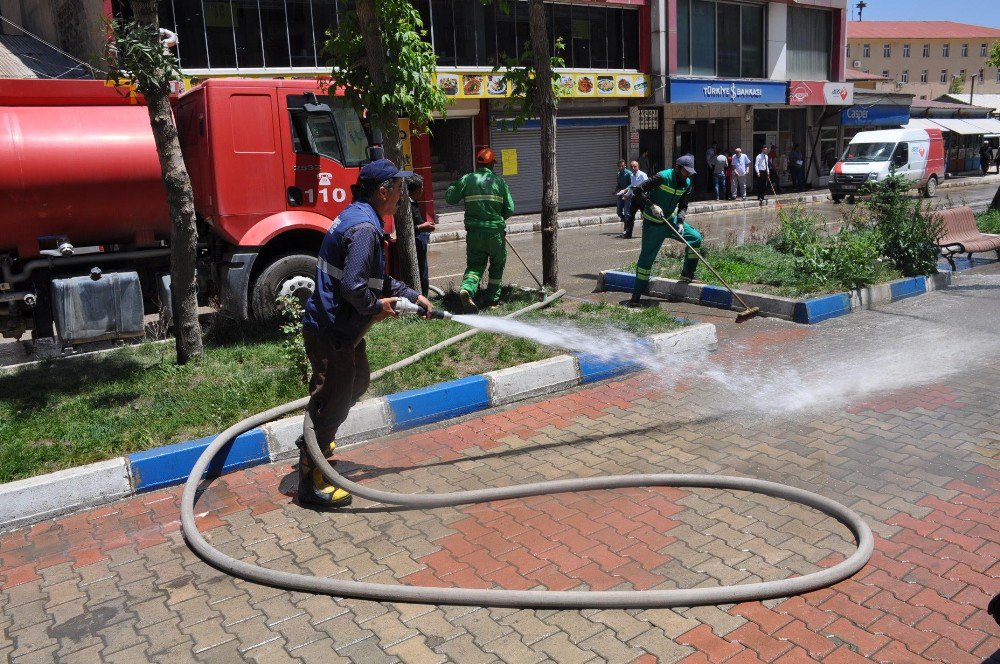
x: 84, y: 224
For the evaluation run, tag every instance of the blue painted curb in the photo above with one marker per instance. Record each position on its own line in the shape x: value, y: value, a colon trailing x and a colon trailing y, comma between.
x: 594, y: 368
x: 443, y: 401
x: 908, y: 288
x: 714, y: 296
x: 823, y: 308
x: 171, y: 464
x: 619, y: 281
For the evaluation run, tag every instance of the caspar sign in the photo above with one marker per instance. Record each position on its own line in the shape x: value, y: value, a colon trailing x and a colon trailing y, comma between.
x: 820, y: 93
x: 722, y: 91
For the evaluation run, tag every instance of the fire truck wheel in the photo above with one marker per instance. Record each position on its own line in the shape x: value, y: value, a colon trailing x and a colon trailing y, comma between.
x: 288, y: 275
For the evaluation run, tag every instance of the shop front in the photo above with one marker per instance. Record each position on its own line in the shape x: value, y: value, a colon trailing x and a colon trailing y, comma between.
x: 702, y: 112
x: 822, y: 103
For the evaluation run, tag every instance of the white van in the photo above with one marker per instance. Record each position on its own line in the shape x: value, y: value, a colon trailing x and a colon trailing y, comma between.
x: 917, y: 154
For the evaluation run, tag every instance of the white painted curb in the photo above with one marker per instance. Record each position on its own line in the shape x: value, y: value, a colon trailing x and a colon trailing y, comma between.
x: 697, y: 337
x: 367, y: 420
x: 37, y: 498
x: 533, y: 379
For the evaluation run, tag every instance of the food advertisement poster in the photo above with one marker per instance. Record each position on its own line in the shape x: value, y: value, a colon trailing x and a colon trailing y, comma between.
x: 479, y: 85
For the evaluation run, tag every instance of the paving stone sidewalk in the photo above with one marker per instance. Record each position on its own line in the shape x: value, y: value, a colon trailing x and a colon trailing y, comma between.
x: 919, y: 463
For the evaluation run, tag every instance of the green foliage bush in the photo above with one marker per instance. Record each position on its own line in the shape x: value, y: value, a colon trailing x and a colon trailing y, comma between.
x: 908, y: 230
x: 989, y: 222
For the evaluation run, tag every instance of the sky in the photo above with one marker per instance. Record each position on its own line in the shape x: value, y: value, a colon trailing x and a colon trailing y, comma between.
x: 960, y: 11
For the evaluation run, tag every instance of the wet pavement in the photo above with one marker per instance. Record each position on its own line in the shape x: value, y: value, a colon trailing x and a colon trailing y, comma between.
x: 892, y: 412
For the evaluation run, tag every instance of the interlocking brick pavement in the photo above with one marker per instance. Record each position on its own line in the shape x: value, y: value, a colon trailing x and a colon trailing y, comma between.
x: 919, y: 463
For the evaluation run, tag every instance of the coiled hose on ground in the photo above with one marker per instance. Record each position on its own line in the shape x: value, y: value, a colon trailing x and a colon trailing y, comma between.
x: 537, y: 599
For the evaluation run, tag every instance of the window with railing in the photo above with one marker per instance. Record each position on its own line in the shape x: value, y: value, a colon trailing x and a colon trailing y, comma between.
x: 720, y: 38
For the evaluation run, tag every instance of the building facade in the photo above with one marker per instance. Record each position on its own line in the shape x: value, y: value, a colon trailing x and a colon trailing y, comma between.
x: 924, y: 58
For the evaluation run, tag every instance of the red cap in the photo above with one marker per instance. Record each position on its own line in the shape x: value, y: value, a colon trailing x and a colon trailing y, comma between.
x: 485, y: 156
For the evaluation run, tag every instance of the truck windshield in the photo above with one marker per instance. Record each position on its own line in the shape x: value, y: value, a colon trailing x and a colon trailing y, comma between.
x: 868, y: 152
x: 339, y: 136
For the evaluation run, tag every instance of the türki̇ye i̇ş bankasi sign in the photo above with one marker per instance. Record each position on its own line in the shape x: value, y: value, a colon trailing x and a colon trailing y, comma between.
x: 716, y: 91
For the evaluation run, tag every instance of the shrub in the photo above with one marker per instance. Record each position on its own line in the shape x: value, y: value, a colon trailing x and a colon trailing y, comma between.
x: 797, y: 230
x: 907, y: 229
x: 989, y: 222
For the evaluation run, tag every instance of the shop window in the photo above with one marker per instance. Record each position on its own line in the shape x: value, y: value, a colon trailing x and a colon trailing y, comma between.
x: 809, y: 43
x: 246, y: 30
x: 684, y: 36
x: 443, y: 32
x: 301, y: 35
x: 752, y: 41
x: 727, y: 21
x: 507, y: 32
x: 274, y: 34
x: 703, y: 48
x: 190, y: 30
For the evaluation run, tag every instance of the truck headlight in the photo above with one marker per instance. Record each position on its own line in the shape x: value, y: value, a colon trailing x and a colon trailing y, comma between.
x: 873, y: 175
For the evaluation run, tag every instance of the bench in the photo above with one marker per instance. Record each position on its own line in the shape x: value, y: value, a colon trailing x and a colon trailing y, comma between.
x: 962, y: 236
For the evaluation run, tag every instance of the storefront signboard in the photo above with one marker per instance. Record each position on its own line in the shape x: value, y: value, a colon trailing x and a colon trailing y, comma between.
x: 820, y: 93
x: 875, y: 116
x: 723, y: 91
x: 486, y: 85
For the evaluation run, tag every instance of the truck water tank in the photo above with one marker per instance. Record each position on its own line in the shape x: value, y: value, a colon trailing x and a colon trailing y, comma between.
x: 90, y: 173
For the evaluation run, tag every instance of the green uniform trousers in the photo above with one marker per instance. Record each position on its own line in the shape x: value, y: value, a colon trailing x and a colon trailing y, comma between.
x: 653, y: 235
x: 484, y: 246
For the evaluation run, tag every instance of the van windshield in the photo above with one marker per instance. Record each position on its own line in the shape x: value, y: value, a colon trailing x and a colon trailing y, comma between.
x: 868, y: 152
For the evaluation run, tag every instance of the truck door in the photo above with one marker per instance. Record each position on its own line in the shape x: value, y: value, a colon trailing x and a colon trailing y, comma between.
x: 328, y: 145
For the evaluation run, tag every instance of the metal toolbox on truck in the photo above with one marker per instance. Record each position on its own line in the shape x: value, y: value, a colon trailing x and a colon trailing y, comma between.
x: 98, y: 307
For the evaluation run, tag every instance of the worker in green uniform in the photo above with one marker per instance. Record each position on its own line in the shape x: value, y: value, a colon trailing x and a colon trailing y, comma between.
x: 488, y: 204
x: 664, y: 199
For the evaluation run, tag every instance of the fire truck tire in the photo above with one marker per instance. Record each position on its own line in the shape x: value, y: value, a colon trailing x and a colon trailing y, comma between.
x: 292, y: 273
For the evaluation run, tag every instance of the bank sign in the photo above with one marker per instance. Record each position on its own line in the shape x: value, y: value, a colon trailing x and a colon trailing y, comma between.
x: 722, y: 91
x: 875, y: 116
x: 820, y: 93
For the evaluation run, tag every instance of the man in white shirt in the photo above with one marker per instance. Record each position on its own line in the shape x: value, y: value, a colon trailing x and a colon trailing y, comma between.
x: 762, y: 169
x: 638, y: 177
x: 741, y: 164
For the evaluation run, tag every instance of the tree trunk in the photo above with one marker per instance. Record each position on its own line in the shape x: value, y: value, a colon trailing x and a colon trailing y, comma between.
x: 406, y: 248
x: 180, y: 199
x: 547, y: 118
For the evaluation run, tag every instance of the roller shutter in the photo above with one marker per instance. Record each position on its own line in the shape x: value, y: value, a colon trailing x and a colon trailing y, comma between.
x: 585, y: 158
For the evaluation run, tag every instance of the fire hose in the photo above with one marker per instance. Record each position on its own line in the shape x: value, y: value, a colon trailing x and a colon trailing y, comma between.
x: 537, y: 599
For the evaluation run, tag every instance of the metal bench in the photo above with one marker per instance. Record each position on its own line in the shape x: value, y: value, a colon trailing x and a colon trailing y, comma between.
x: 962, y: 236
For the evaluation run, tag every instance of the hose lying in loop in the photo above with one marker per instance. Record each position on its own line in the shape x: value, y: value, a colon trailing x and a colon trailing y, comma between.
x: 520, y: 598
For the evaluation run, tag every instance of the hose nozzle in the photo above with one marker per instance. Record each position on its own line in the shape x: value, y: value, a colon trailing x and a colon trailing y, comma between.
x: 404, y: 307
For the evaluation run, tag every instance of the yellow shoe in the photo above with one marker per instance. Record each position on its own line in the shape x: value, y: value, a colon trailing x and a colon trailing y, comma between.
x: 314, y: 491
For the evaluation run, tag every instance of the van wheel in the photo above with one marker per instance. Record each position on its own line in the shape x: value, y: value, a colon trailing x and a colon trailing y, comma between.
x: 931, y: 187
x: 288, y: 275
x: 837, y: 197
x: 850, y: 199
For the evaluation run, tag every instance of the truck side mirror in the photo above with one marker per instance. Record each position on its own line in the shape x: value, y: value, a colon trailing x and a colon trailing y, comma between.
x: 314, y: 107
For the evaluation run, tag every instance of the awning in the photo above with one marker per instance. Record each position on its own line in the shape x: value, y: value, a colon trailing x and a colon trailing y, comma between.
x: 989, y: 126
x: 921, y: 123
x: 963, y: 127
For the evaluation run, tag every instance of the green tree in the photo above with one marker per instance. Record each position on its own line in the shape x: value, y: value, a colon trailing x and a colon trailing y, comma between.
x: 381, y: 57
x: 143, y: 61
x: 534, y: 93
x: 957, y: 84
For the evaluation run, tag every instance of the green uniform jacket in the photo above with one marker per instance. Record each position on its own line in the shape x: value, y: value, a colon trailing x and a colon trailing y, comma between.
x: 667, y: 191
x: 488, y: 202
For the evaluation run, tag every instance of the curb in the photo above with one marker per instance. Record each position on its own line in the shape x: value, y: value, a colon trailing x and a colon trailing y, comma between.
x: 810, y: 311
x: 38, y: 498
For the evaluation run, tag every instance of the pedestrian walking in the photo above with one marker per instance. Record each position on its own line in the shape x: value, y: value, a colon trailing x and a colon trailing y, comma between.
x: 422, y: 229
x: 710, y: 163
x: 636, y: 178
x: 645, y: 161
x: 352, y: 292
x: 741, y: 166
x: 985, y: 157
x: 665, y: 200
x: 762, y: 171
x: 719, y: 167
x: 622, y: 183
x: 488, y: 205
x: 797, y: 167
x: 779, y: 165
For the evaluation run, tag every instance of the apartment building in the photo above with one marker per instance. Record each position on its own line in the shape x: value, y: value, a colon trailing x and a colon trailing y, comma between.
x: 924, y: 57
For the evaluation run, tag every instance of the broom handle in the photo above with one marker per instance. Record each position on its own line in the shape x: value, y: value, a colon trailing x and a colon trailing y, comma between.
x: 511, y: 245
x: 707, y: 264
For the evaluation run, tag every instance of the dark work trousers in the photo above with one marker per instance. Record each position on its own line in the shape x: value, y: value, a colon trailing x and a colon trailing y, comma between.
x: 762, y: 184
x: 631, y: 209
x: 423, y: 240
x: 340, y: 375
